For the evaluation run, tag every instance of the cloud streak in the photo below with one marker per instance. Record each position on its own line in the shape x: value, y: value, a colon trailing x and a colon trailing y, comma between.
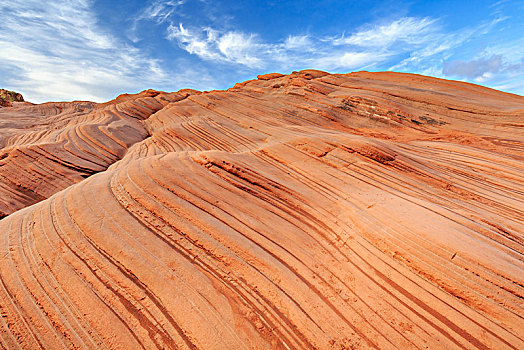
x: 405, y: 30
x: 366, y: 47
x: 57, y: 48
x: 210, y: 44
x: 158, y: 11
x: 410, y: 44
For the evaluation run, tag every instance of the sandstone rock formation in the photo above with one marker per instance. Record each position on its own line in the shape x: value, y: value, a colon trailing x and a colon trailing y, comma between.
x: 365, y: 210
x: 7, y: 98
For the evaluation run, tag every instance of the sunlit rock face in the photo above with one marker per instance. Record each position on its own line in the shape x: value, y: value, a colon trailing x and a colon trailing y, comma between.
x: 7, y: 98
x: 303, y: 211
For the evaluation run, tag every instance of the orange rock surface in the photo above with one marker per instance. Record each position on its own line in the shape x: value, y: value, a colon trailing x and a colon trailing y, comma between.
x: 362, y: 210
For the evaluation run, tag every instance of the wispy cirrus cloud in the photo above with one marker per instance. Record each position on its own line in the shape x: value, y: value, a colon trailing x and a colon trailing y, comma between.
x: 158, y: 11
x: 211, y: 44
x: 365, y: 47
x: 405, y: 30
x: 60, y: 49
x: 407, y: 43
x: 456, y: 55
x: 57, y: 48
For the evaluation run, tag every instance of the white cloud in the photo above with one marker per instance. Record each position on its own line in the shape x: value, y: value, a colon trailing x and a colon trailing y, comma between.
x: 369, y: 46
x: 456, y: 55
x: 238, y: 47
x: 56, y: 49
x: 409, y: 30
x: 436, y: 47
x: 210, y: 44
x: 158, y: 11
x: 510, y: 49
x: 348, y: 60
x: 299, y: 42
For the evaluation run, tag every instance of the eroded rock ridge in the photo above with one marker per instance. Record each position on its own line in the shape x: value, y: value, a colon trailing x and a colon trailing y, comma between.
x: 362, y: 210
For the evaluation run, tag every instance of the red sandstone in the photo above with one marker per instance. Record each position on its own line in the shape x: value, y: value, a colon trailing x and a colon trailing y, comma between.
x: 363, y: 210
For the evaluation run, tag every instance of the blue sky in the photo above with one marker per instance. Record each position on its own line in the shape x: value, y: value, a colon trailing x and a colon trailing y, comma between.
x: 95, y: 50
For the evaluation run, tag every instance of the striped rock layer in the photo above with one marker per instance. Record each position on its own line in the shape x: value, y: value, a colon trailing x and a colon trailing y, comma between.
x: 307, y: 211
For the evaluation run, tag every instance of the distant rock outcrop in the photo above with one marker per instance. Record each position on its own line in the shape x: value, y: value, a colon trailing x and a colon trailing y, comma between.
x: 305, y: 211
x: 8, y: 97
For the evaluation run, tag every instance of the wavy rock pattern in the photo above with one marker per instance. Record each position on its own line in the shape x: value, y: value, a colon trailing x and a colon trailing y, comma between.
x: 46, y: 148
x: 368, y: 210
